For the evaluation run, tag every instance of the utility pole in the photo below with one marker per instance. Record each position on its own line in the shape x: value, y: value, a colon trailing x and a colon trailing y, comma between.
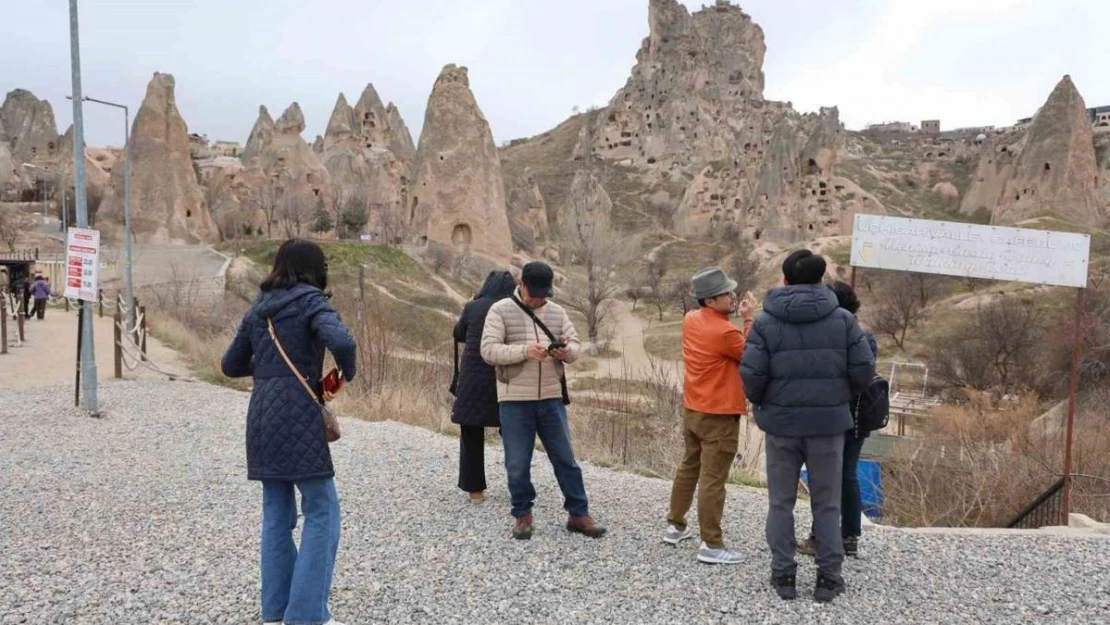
x: 88, y: 355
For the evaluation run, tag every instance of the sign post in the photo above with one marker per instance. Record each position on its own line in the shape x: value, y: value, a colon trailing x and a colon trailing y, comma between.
x: 990, y: 252
x: 83, y: 264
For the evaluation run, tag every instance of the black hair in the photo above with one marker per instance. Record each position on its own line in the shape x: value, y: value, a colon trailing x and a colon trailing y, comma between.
x: 498, y: 286
x: 803, y: 267
x: 845, y: 296
x: 298, y: 261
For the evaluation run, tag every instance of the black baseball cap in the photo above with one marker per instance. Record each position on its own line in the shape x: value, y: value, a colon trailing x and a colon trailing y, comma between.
x: 538, y: 277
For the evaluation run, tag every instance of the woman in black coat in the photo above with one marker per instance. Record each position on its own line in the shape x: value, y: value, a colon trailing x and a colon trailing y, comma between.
x: 476, y: 388
x: 287, y: 447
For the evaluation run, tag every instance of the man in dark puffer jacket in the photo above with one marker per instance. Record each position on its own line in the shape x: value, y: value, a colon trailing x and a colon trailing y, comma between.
x: 805, y: 359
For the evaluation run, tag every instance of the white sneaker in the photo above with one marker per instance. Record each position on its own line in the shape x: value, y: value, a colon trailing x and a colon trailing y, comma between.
x: 709, y: 555
x: 333, y: 622
x: 675, y: 535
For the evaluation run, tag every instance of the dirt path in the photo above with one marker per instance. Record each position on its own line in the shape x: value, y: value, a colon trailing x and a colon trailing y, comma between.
x: 634, y: 362
x: 451, y: 292
x: 384, y: 291
x: 48, y: 355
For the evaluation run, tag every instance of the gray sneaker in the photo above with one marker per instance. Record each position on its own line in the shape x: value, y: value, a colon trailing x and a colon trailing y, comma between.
x: 675, y: 535
x: 709, y: 555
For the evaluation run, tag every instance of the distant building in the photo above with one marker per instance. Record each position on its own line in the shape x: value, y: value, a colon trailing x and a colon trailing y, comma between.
x: 227, y: 148
x: 891, y: 127
x: 1099, y: 115
x: 930, y: 126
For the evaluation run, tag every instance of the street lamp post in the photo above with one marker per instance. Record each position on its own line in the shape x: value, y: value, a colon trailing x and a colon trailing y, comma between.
x: 128, y: 283
x: 88, y: 355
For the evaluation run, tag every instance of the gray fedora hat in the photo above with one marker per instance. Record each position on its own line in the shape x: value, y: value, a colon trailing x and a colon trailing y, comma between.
x: 711, y: 282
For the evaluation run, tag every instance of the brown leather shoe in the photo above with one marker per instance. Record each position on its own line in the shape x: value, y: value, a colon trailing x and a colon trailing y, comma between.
x: 522, y: 530
x: 808, y: 547
x: 586, y: 526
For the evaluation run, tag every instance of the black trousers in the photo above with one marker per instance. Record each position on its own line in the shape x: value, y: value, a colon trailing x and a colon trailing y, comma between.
x: 472, y: 459
x: 40, y: 308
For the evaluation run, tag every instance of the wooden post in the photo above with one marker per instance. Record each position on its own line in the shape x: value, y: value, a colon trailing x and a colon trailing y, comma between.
x: 142, y: 347
x: 21, y: 318
x: 135, y: 318
x: 117, y: 341
x: 100, y: 302
x: 1065, y: 513
x: 66, y: 300
x: 80, y: 335
x: 3, y: 324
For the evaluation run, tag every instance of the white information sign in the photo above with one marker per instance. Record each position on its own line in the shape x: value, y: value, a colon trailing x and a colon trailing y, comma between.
x: 82, y: 264
x: 971, y: 250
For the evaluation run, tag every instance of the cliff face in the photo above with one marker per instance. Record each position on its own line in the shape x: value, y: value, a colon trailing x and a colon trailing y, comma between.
x: 693, y: 109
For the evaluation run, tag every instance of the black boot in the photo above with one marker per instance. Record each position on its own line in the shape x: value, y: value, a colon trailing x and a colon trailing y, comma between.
x: 827, y: 589
x: 785, y: 585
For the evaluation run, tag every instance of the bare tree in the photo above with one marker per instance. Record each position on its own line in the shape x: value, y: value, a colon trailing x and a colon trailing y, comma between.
x: 270, y: 198
x: 743, y: 268
x: 601, y: 250
x: 13, y: 224
x: 899, y: 311
x: 295, y: 211
x: 995, y: 350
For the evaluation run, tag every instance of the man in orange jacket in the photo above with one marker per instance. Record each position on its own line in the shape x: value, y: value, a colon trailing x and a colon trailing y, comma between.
x: 712, y: 348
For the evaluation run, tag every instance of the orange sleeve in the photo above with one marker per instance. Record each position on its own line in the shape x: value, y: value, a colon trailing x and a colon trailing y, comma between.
x: 734, y: 341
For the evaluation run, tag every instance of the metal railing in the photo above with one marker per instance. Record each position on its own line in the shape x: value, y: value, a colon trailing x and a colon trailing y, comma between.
x: 1045, y: 510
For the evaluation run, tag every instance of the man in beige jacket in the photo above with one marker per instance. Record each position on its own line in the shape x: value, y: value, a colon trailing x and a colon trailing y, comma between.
x: 529, y: 362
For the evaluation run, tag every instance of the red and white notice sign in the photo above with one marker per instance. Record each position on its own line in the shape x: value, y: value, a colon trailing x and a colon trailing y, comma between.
x: 82, y: 264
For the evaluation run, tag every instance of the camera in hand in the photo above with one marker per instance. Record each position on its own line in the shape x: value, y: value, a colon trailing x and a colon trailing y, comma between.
x: 556, y: 345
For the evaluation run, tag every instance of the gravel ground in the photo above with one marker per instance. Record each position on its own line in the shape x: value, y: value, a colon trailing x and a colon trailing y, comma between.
x: 145, y: 516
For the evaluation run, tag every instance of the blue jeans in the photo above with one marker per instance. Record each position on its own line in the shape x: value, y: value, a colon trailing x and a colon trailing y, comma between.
x: 850, y: 506
x: 521, y: 421
x: 295, y: 586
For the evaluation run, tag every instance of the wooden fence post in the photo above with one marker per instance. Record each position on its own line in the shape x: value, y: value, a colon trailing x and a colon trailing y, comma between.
x: 142, y: 348
x: 66, y: 299
x: 3, y: 325
x: 20, y: 319
x: 100, y: 302
x: 117, y: 342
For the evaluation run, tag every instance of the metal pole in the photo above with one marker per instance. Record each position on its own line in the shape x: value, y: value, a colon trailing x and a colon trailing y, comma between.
x: 129, y: 285
x: 3, y: 323
x: 80, y: 334
x: 88, y: 356
x: 1071, y: 405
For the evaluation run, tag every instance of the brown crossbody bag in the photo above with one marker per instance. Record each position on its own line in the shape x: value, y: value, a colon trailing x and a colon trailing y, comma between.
x: 331, y: 422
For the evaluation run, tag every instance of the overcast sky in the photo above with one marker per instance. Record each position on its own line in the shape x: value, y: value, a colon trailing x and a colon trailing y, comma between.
x: 967, y: 62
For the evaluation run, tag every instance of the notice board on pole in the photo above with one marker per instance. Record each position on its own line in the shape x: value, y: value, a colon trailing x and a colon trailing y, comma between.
x: 82, y: 264
x: 971, y: 250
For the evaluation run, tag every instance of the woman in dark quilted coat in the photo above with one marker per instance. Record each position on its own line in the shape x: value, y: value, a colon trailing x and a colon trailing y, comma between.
x: 850, y: 505
x: 286, y: 445
x: 476, y: 391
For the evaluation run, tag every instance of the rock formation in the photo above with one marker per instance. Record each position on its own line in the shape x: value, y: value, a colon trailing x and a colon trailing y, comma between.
x: 288, y: 181
x: 458, y: 198
x: 9, y: 171
x: 400, y: 142
x: 693, y: 111
x: 27, y: 123
x: 1050, y: 170
x: 261, y: 135
x: 527, y: 213
x: 364, y: 152
x: 167, y: 204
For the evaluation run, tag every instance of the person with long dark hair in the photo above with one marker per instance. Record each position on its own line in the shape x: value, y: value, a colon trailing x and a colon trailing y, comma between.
x: 476, y: 405
x: 287, y: 447
x: 851, y: 508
